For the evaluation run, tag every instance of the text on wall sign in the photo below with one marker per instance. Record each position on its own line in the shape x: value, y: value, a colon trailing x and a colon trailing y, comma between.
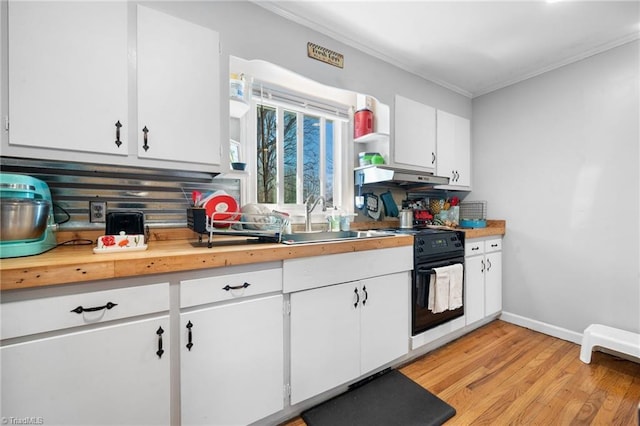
x: 325, y: 55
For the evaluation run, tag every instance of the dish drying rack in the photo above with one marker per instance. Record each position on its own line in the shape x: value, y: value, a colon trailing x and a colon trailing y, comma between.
x: 265, y: 227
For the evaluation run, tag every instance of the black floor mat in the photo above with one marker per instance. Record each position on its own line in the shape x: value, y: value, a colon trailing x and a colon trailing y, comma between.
x: 391, y: 399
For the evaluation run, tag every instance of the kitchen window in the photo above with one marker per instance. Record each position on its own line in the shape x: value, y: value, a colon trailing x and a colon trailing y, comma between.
x: 297, y: 148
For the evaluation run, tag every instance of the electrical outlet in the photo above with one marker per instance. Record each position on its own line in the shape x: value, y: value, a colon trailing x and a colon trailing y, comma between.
x: 97, y: 211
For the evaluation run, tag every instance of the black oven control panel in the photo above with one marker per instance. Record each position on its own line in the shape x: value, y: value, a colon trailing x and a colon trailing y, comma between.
x: 437, y: 243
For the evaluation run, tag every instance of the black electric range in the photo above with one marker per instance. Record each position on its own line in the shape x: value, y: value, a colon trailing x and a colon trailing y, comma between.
x: 432, y: 248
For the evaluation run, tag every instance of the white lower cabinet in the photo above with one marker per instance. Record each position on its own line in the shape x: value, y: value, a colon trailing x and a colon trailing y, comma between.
x: 232, y: 372
x: 232, y: 348
x: 340, y: 332
x: 103, y: 372
x: 483, y: 278
x: 474, y: 290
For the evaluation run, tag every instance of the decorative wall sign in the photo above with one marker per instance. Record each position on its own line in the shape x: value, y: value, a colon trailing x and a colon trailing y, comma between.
x: 325, y: 55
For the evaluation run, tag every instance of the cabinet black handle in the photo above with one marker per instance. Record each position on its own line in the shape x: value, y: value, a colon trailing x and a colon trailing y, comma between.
x: 366, y: 295
x: 160, y: 350
x: 190, y: 342
x: 488, y: 265
x: 80, y: 309
x: 118, y: 142
x: 475, y: 248
x: 433, y: 158
x: 482, y: 270
x: 235, y: 287
x: 145, y: 138
x: 355, y: 290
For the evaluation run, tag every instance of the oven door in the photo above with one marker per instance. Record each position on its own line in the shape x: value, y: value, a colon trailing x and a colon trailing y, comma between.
x: 422, y: 318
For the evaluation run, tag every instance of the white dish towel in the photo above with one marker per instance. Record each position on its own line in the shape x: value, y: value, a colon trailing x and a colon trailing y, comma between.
x: 445, y: 288
x: 456, y: 274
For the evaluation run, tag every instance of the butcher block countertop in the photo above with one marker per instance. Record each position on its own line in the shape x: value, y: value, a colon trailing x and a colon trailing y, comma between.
x: 177, y: 250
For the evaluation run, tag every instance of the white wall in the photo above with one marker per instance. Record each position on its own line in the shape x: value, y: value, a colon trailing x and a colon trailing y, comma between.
x: 557, y: 157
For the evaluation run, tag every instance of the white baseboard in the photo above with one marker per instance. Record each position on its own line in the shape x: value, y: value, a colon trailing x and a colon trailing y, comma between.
x: 551, y: 330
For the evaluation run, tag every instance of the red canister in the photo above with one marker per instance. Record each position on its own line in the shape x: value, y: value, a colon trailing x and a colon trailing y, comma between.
x: 363, y: 123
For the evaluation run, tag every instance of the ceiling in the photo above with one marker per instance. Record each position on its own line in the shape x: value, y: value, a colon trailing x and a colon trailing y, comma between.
x: 471, y: 47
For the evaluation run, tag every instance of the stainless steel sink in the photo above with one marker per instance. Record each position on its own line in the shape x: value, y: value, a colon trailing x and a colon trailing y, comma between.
x: 319, y: 237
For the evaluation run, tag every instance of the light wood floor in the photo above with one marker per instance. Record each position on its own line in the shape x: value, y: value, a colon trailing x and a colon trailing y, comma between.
x: 502, y: 374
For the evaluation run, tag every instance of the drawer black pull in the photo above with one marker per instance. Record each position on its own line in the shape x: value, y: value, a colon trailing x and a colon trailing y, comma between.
x: 80, y: 309
x: 160, y: 350
x: 235, y: 287
x: 190, y: 342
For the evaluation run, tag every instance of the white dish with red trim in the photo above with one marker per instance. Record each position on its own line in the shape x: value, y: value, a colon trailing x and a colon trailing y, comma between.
x: 120, y: 243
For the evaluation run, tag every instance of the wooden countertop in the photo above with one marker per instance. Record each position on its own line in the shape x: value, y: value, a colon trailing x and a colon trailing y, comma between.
x: 77, y: 264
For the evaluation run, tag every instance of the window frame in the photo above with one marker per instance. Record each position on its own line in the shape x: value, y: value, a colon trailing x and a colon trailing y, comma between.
x: 340, y: 175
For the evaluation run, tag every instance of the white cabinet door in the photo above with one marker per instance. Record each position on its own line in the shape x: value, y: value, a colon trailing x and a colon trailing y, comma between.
x: 178, y: 89
x: 325, y: 339
x: 384, y: 319
x: 483, y: 279
x: 68, y: 75
x: 474, y: 288
x: 234, y: 372
x: 414, y: 142
x: 454, y: 149
x: 109, y: 375
x: 493, y: 283
x: 341, y: 332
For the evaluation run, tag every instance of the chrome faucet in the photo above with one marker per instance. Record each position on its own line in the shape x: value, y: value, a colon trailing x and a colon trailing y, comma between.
x: 309, y: 208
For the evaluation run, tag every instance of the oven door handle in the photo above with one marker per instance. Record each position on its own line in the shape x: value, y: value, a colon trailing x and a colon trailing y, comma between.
x: 429, y: 271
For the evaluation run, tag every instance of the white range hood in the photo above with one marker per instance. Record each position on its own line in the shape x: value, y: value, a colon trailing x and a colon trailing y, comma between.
x: 386, y: 174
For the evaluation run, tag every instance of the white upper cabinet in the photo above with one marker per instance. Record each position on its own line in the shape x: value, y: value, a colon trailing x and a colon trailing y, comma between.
x: 454, y: 150
x: 71, y: 65
x: 68, y: 76
x: 414, y: 142
x: 178, y: 65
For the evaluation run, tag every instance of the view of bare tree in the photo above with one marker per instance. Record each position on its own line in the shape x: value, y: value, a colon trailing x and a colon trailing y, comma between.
x: 267, y: 161
x: 266, y: 155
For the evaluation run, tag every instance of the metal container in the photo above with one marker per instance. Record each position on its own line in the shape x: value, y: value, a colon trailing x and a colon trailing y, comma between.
x: 406, y: 218
x: 23, y: 218
x: 363, y: 123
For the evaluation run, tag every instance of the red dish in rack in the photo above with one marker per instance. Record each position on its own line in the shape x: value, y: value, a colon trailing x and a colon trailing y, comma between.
x: 222, y: 207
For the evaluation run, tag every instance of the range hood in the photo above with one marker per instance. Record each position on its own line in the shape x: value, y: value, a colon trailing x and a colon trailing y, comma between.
x: 387, y: 174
